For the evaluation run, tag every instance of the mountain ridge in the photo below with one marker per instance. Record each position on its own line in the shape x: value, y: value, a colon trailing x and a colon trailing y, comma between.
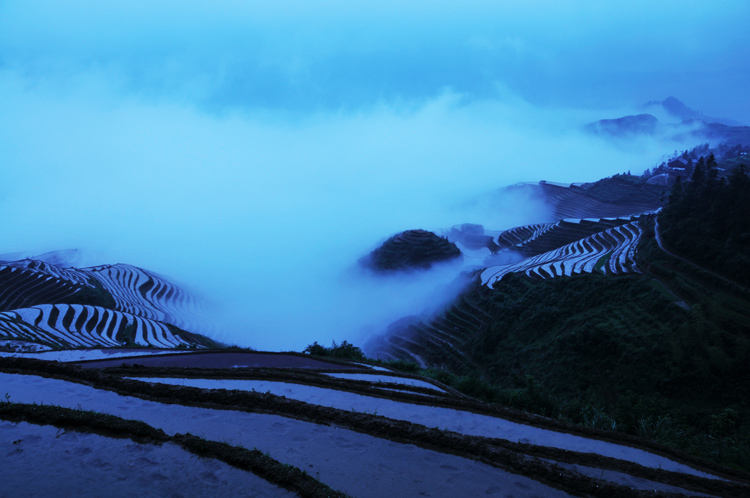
x: 682, y: 112
x: 690, y: 125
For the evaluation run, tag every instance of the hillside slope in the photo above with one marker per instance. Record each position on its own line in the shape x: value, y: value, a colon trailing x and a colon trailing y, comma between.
x: 412, y: 249
x: 43, y: 305
x: 596, y: 314
x: 620, y: 195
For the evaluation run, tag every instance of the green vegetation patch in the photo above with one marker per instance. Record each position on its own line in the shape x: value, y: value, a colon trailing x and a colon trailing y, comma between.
x: 611, y: 352
x: 593, y: 334
x: 194, y: 339
x: 343, y: 351
x: 707, y: 220
x: 598, y: 267
x: 94, y: 296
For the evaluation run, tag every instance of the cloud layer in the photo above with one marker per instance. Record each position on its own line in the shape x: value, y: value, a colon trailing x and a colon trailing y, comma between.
x: 297, y: 55
x: 255, y: 154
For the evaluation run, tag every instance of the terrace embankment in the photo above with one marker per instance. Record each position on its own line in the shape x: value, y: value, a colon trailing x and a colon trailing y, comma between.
x: 224, y: 359
x: 526, y: 459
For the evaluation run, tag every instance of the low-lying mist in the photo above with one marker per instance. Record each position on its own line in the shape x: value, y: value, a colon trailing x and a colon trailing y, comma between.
x: 255, y: 151
x: 264, y: 215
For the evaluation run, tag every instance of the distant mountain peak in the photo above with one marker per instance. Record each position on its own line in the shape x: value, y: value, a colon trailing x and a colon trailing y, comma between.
x: 625, y: 126
x: 679, y: 110
x: 676, y: 108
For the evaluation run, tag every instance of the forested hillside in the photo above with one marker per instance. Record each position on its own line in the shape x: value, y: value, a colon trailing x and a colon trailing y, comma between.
x: 661, y: 351
x: 707, y: 220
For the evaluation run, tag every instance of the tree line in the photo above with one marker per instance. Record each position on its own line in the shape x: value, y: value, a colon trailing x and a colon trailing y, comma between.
x: 707, y: 219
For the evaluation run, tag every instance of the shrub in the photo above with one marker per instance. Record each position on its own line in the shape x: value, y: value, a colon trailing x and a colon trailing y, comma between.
x: 345, y: 351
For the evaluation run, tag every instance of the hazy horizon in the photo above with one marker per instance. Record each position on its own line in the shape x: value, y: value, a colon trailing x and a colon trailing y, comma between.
x: 255, y: 153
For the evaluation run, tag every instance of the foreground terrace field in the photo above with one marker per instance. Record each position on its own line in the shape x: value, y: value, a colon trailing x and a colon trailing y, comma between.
x: 341, y: 426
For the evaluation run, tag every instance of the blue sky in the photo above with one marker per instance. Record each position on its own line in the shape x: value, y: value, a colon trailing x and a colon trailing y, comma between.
x: 255, y: 150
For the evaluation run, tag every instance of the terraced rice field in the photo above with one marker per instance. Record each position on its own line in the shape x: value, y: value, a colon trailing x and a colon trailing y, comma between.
x: 570, y: 247
x: 81, y: 355
x: 149, y: 295
x: 22, y: 286
x: 148, y: 309
x: 369, y: 433
x: 69, y: 326
x: 462, y: 422
x: 47, y: 461
x: 448, y: 332
x: 616, y: 246
x: 616, y: 196
x: 409, y: 250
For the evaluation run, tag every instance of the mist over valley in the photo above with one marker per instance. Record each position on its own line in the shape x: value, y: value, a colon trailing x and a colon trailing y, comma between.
x: 335, y: 250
